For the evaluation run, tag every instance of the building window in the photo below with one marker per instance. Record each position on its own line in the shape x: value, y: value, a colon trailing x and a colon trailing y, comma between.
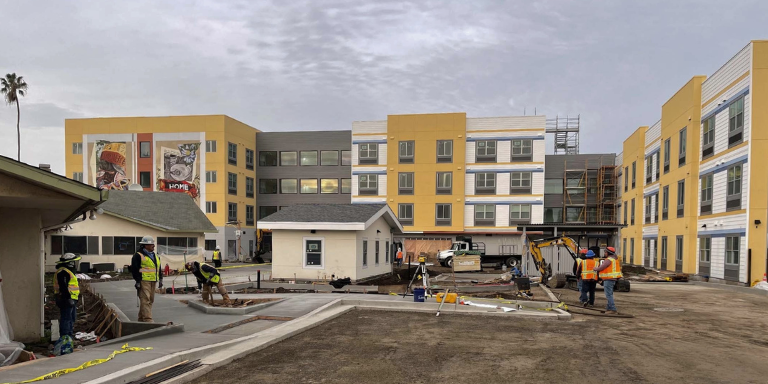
x: 631, y: 250
x: 289, y: 186
x: 308, y: 157
x: 485, y: 215
x: 626, y: 204
x: 683, y: 144
x: 680, y: 198
x: 442, y: 214
x: 626, y: 179
x: 346, y: 185
x: 210, y: 176
x: 520, y: 183
x: 732, y: 244
x: 405, y: 152
x: 346, y: 157
x: 249, y: 215
x: 736, y: 122
x: 308, y: 186
x: 553, y: 215
x: 574, y: 215
x: 77, y: 148
x: 77, y: 176
x: 405, y: 214
x: 265, y: 211
x: 658, y: 167
x: 268, y: 159
x: 678, y: 249
x: 706, y: 194
x: 210, y: 145
x: 632, y: 214
x: 522, y: 150
x: 647, y: 209
x: 288, y: 158
x: 329, y: 157
x: 705, y: 249
x: 485, y: 151
x: 553, y: 186
x: 248, y: 186
x: 365, y: 253
x: 232, y: 183
x: 386, y: 252
x: 708, y: 137
x: 663, y: 252
x: 231, y: 211
x: 376, y: 253
x: 145, y: 149
x: 368, y: 184
x: 634, y: 173
x: 733, y: 197
x: 665, y: 203
x: 648, y: 169
x: 405, y: 183
x: 445, y: 151
x: 329, y: 185
x: 313, y: 252
x: 667, y: 148
x: 444, y: 183
x: 519, y: 213
x: 624, y: 249
x: 249, y: 154
x: 268, y: 186
x: 211, y: 207
x: 369, y: 153
x: 210, y: 245
x: 232, y: 153
x: 485, y: 183
x: 656, y: 211
x: 145, y: 179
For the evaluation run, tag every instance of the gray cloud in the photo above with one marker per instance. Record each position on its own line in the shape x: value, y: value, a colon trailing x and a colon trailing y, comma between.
x: 323, y: 64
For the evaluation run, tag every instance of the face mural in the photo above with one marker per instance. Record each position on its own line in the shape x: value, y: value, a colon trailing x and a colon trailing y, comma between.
x: 178, y: 168
x: 109, y: 165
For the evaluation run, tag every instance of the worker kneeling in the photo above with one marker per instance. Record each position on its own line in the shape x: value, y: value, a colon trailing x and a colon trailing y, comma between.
x: 207, y: 277
x: 588, y: 279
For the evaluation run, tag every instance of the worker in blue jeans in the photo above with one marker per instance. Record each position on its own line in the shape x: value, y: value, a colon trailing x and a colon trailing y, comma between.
x: 610, y: 272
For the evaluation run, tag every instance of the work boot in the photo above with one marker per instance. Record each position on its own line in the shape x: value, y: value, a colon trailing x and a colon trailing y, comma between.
x: 584, y: 304
x: 611, y: 312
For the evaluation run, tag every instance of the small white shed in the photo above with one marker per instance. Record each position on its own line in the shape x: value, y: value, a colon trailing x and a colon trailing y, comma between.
x: 316, y: 241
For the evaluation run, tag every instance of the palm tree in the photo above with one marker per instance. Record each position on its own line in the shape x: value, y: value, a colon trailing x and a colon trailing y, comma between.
x: 12, y: 88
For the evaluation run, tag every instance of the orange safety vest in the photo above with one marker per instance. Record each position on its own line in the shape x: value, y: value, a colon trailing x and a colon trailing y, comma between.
x: 613, y: 271
x: 587, y: 267
x: 399, y: 254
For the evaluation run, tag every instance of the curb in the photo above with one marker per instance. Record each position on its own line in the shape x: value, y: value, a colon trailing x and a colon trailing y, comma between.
x: 231, y: 311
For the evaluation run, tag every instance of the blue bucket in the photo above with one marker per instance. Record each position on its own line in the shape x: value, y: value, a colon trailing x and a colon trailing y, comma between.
x: 418, y: 295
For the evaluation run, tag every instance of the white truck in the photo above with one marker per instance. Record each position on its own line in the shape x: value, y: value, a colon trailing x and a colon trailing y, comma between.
x: 465, y: 243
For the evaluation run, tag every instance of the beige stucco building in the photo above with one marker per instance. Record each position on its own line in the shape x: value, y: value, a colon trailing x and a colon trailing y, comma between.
x: 316, y: 242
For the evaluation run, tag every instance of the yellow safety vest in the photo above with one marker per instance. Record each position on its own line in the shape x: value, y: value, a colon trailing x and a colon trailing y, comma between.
x: 73, y: 286
x: 205, y: 274
x: 587, y: 269
x: 216, y: 255
x: 149, y: 271
x: 613, y: 271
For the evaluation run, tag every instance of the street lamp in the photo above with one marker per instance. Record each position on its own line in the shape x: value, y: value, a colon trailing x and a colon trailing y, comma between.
x: 236, y: 224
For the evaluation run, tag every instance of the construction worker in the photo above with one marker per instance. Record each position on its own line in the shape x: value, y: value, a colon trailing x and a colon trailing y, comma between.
x: 588, y: 279
x: 217, y: 257
x: 399, y: 257
x: 579, y: 259
x: 207, y: 277
x: 67, y: 291
x: 146, y: 271
x: 609, y: 271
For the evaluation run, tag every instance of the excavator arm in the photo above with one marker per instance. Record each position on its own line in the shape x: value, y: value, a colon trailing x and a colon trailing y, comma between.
x: 535, y: 246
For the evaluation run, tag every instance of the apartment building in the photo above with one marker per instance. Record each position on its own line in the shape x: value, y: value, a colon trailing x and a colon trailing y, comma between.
x: 211, y: 158
x: 704, y: 201
x: 446, y: 175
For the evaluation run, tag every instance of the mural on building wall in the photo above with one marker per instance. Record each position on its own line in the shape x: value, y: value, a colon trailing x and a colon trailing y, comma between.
x: 109, y: 164
x: 178, y: 168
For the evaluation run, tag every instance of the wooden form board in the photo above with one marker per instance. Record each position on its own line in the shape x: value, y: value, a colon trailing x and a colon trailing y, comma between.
x: 466, y: 263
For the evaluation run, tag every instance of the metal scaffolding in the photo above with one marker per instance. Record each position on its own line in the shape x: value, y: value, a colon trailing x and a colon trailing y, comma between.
x: 589, y: 192
x: 566, y: 132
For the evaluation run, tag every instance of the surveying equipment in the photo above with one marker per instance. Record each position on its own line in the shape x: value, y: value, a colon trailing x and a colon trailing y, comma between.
x: 421, y: 271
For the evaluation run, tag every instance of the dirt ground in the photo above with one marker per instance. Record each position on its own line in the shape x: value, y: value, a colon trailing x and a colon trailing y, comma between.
x: 718, y: 337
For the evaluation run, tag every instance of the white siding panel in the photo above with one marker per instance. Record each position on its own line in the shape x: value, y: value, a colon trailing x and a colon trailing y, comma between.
x: 355, y: 154
x: 470, y: 152
x: 508, y: 122
x: 382, y: 154
x: 653, y: 252
x: 369, y: 127
x: 717, y: 260
x: 469, y: 184
x: 656, y: 160
x: 537, y: 183
x: 382, y: 185
x: 721, y: 126
x: 539, y: 150
x: 507, y: 135
x: 469, y: 215
x: 502, y: 183
x: 506, y: 167
x: 355, y: 185
x: 743, y: 260
x: 653, y: 207
x: 723, y: 159
x: 719, y: 185
x: 502, y: 215
x: 744, y: 184
x: 503, y: 151
x: 698, y: 250
x: 733, y: 222
x: 619, y: 162
x: 729, y: 72
x: 505, y: 199
x: 368, y: 200
x: 651, y: 230
x: 653, y: 133
x: 537, y: 214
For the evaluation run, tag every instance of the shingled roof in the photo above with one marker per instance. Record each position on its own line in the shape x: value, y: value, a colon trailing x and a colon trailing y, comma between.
x: 343, y: 216
x: 166, y: 211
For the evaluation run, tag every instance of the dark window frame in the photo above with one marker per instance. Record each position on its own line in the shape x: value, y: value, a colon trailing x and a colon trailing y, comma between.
x: 371, y: 179
x: 682, y: 146
x: 736, y: 122
x: 521, y: 179
x: 148, y: 183
x: 283, y: 191
x: 486, y: 147
x: 443, y: 221
x: 296, y: 160
x: 264, y: 160
x: 264, y: 211
x: 232, y: 153
x: 485, y: 189
x: 526, y: 151
x: 680, y: 198
x: 444, y: 158
x: 444, y: 190
x: 400, y: 216
x: 406, y: 177
x: 348, y: 188
x: 733, y: 199
x: 249, y: 186
x: 211, y: 207
x: 706, y: 189
x: 667, y: 155
x: 141, y: 149
x: 232, y: 183
x: 263, y: 184
x: 403, y: 149
x: 708, y: 137
x: 317, y: 186
x: 301, y: 158
x: 249, y: 219
x: 338, y: 186
x: 519, y: 220
x: 632, y: 214
x: 486, y: 221
x: 337, y: 157
x: 231, y: 208
x: 665, y: 203
x: 371, y: 151
x: 249, y: 159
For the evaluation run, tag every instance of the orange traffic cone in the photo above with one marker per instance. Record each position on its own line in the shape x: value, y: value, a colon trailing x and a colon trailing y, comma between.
x: 765, y: 279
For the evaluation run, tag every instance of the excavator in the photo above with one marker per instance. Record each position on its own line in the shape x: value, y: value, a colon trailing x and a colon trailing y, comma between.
x: 545, y: 269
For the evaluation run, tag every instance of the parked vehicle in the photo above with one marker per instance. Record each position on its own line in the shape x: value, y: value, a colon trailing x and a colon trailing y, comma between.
x: 464, y: 244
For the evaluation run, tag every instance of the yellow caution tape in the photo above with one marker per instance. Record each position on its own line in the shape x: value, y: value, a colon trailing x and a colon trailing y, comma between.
x: 243, y: 266
x: 85, y: 365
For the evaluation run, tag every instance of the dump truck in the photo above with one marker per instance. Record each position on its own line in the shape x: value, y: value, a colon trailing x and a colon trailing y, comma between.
x: 465, y: 245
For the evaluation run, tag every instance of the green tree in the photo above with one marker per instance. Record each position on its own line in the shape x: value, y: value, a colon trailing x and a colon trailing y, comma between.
x: 12, y: 88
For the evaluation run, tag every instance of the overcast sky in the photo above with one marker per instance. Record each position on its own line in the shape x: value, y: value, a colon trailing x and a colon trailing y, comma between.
x: 319, y: 65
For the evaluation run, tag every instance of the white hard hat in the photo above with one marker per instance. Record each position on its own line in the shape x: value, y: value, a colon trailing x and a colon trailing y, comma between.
x: 147, y: 240
x: 68, y: 258
x: 217, y: 248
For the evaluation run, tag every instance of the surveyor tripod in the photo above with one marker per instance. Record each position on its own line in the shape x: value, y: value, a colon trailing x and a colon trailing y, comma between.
x: 421, y: 272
